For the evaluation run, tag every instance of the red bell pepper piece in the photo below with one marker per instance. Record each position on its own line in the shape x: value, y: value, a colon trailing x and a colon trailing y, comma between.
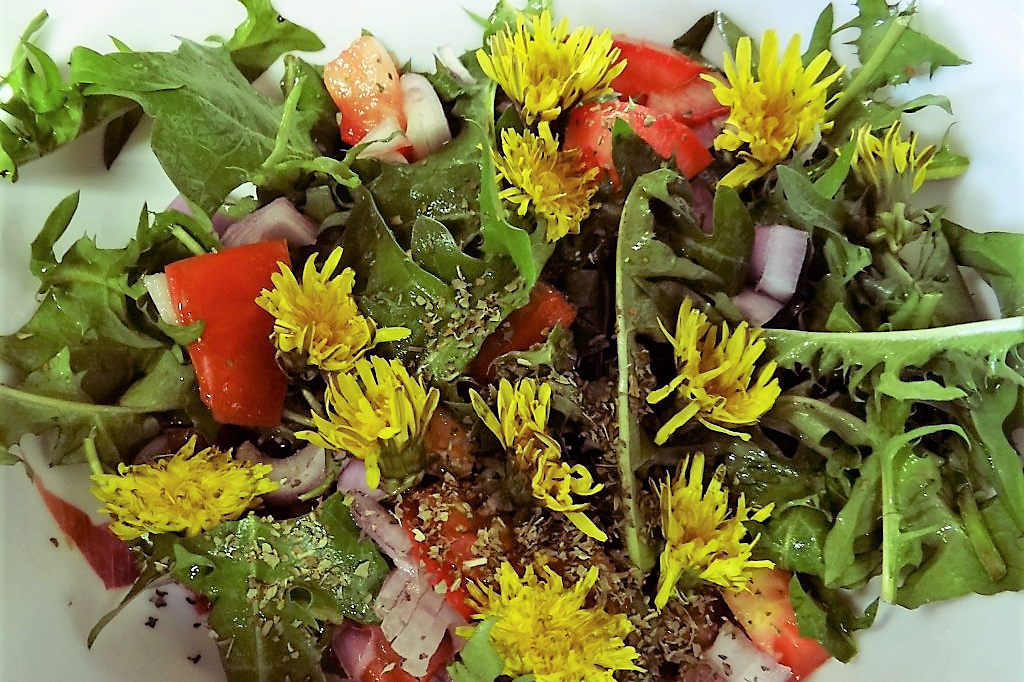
x: 234, y: 358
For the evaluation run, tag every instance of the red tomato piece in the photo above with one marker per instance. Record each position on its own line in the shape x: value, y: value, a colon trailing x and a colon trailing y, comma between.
x: 366, y: 654
x: 652, y: 68
x: 691, y: 104
x: 526, y: 326
x: 766, y: 614
x: 590, y: 129
x: 234, y: 359
x: 363, y: 82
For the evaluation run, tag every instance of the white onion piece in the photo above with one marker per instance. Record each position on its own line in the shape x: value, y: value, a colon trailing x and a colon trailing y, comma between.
x: 777, y: 259
x: 383, y: 528
x: 757, y: 308
x: 221, y: 221
x: 298, y: 473
x: 427, y: 126
x: 353, y: 480
x: 446, y: 55
x: 736, y: 659
x: 277, y: 220
x: 386, y: 140
x: 156, y: 285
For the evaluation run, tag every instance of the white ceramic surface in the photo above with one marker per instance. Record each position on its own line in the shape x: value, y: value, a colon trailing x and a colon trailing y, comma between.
x: 48, y: 596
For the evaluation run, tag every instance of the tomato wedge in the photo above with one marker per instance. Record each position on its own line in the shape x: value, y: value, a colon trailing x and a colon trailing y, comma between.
x: 234, y: 358
x: 652, y: 68
x: 590, y: 129
x: 765, y: 612
x: 363, y: 82
x: 524, y: 327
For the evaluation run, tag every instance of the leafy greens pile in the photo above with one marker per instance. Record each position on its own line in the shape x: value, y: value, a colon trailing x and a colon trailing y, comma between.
x: 889, y: 452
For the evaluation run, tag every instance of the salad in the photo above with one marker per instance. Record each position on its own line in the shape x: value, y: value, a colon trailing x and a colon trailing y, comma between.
x: 811, y: 419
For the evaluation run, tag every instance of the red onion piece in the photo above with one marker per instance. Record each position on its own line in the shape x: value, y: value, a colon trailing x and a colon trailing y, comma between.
x: 353, y: 480
x: 382, y: 527
x: 736, y: 659
x: 446, y: 55
x: 387, y: 140
x: 221, y: 221
x: 298, y: 474
x: 427, y: 126
x: 777, y: 259
x: 756, y: 308
x: 277, y: 220
x: 353, y: 645
x: 703, y: 205
x: 156, y: 285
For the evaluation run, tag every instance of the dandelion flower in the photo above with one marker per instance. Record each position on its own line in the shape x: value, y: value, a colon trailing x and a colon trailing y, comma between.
x: 187, y: 492
x: 543, y: 628
x: 892, y: 164
x: 552, y: 181
x: 546, y: 69
x: 521, y: 426
x: 317, y: 320
x: 376, y: 412
x: 780, y: 110
x: 703, y: 542
x: 713, y: 380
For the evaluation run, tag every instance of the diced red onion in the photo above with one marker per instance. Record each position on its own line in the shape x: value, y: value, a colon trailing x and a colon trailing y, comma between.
x: 298, y: 474
x: 353, y: 480
x: 386, y: 139
x: 383, y: 528
x: 736, y: 659
x: 277, y: 220
x: 756, y: 308
x: 777, y: 259
x: 156, y: 285
x: 427, y: 126
x: 446, y: 55
x: 221, y: 221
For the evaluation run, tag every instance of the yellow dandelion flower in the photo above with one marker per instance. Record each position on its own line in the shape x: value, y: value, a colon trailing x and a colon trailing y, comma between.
x: 892, y: 164
x: 546, y: 69
x: 521, y: 426
x: 713, y: 380
x: 376, y: 412
x: 782, y: 109
x: 552, y: 181
x: 702, y: 540
x: 317, y: 320
x: 544, y: 629
x: 187, y: 492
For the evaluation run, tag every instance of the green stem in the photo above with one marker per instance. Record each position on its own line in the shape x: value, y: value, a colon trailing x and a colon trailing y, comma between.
x: 93, y: 457
x: 187, y: 240
x: 867, y: 72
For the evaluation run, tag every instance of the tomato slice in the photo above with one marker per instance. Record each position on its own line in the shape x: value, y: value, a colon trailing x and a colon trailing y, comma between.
x: 590, y: 129
x: 766, y: 614
x: 234, y: 358
x: 524, y: 327
x: 363, y: 82
x: 652, y: 68
x: 691, y: 104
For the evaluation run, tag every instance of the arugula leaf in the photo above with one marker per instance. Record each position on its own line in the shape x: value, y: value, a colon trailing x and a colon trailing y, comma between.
x: 824, y: 614
x: 997, y: 257
x: 273, y: 584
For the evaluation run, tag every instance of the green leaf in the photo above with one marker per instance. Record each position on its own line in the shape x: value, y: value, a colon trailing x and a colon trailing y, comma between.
x: 264, y: 36
x: 824, y: 615
x: 478, y: 661
x: 997, y: 257
x: 274, y: 584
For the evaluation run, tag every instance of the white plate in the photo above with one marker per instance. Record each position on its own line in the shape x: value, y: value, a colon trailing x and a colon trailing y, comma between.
x: 48, y: 596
